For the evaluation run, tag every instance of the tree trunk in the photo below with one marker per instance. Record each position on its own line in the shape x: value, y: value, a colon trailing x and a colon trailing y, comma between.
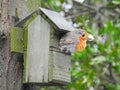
x: 11, y: 64
x: 5, y: 55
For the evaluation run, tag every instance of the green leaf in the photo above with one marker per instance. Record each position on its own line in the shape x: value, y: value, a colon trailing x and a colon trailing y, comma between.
x: 110, y: 86
x: 116, y: 1
x: 97, y: 60
x: 118, y: 87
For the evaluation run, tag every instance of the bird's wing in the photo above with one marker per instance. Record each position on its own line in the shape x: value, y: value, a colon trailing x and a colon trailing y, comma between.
x: 68, y: 38
x: 68, y: 43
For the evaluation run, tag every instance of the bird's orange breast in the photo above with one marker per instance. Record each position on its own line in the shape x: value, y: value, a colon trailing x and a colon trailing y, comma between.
x: 80, y: 45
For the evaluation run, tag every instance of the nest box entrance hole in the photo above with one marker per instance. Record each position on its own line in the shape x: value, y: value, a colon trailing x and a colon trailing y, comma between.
x: 56, y: 35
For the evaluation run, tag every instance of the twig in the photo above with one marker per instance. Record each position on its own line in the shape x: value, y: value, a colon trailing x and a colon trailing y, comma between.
x: 109, y: 7
x: 87, y: 6
x: 80, y: 13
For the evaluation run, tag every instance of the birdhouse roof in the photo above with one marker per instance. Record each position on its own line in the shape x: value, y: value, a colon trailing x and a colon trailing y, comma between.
x: 59, y: 21
x: 54, y: 17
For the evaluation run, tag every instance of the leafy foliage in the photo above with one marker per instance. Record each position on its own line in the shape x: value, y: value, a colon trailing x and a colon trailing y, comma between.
x: 91, y: 65
x: 53, y: 4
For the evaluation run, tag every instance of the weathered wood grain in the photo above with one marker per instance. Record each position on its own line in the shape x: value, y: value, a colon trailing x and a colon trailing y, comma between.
x: 59, y: 68
x: 16, y: 39
x: 59, y: 63
x: 15, y: 66
x: 37, y: 51
x: 43, y: 65
x: 57, y: 19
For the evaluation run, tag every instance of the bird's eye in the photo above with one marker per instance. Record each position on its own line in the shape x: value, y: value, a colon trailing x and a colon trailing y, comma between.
x: 83, y: 35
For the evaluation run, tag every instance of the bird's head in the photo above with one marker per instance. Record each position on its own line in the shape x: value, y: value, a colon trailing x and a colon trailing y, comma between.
x: 83, y: 35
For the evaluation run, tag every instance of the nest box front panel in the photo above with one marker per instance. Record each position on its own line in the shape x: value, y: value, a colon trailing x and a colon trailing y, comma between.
x: 37, y: 51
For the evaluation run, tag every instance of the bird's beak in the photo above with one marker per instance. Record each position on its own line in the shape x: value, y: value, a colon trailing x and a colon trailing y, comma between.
x: 90, y: 37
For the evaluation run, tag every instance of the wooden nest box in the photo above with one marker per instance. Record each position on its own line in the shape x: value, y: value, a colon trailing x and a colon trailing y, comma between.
x: 44, y: 64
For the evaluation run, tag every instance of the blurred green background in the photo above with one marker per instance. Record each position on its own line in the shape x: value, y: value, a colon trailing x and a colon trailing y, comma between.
x: 98, y: 66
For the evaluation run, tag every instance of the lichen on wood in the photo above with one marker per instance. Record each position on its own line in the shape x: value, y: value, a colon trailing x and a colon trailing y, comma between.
x: 16, y: 39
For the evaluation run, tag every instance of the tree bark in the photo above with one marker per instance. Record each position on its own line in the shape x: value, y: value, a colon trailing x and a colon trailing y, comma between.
x: 4, y: 44
x: 11, y: 64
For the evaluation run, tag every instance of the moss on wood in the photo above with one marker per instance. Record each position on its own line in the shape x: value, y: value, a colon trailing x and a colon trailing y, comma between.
x: 16, y: 39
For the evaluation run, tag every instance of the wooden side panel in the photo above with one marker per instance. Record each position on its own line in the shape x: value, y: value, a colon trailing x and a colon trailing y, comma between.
x: 59, y: 63
x: 60, y: 68
x: 16, y: 39
x: 37, y: 51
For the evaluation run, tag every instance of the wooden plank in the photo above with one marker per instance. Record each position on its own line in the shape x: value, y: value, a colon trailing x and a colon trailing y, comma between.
x: 16, y: 39
x: 37, y: 51
x: 57, y: 19
x: 60, y: 68
x: 59, y: 63
x: 61, y: 71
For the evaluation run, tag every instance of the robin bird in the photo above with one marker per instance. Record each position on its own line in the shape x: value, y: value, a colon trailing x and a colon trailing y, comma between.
x: 74, y: 41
